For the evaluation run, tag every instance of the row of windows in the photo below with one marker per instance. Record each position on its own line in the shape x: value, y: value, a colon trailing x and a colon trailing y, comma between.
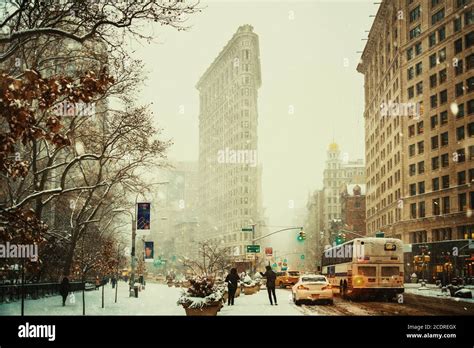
x: 441, y: 205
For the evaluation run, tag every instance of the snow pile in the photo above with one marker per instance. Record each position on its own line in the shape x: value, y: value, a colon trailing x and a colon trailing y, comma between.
x: 202, y: 292
x: 248, y: 282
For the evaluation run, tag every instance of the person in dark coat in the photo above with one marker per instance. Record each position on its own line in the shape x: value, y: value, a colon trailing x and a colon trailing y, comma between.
x: 232, y: 283
x: 64, y: 289
x: 271, y: 277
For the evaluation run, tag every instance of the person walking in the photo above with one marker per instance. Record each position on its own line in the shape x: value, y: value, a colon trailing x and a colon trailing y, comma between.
x: 232, y: 283
x: 64, y: 289
x: 271, y: 277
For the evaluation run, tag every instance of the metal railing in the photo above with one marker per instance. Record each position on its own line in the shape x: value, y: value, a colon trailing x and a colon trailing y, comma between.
x: 12, y: 292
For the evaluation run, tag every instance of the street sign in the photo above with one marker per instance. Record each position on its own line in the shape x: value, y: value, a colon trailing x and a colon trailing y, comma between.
x: 380, y: 234
x: 253, y: 248
x: 269, y: 251
x: 247, y: 229
x: 250, y: 257
x: 302, y: 257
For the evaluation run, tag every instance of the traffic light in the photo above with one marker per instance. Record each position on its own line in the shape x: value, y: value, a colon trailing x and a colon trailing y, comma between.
x: 301, y: 236
x: 341, y: 238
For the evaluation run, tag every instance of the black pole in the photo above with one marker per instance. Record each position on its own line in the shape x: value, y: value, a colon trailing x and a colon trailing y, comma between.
x: 23, y: 287
x: 83, y: 296
x: 103, y: 293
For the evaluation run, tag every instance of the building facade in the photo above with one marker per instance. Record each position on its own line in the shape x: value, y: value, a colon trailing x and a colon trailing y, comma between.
x: 419, y: 61
x: 338, y: 172
x: 353, y: 210
x: 229, y: 175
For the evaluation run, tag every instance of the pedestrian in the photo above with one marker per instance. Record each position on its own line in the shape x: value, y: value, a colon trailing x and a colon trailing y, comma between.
x: 232, y: 283
x: 64, y: 289
x: 270, y: 276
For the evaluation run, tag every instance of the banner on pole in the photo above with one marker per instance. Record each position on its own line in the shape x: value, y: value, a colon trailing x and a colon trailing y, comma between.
x: 143, y: 216
x: 149, y: 251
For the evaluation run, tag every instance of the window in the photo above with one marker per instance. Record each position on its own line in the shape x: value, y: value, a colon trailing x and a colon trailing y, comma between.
x: 411, y: 92
x: 462, y: 199
x: 471, y: 175
x: 459, y: 67
x: 415, y: 14
x: 445, y: 181
x: 446, y: 205
x: 461, y: 178
x: 469, y: 17
x: 436, y: 207
x: 418, y: 48
x: 421, y: 187
x: 438, y: 16
x: 434, y: 121
x: 435, y: 163
x: 471, y: 152
x: 458, y: 46
x: 411, y: 150
x: 412, y: 189
x: 412, y: 169
x: 470, y: 129
x: 411, y: 131
x: 421, y: 209
x: 469, y: 39
x: 433, y: 60
x: 444, y: 139
x: 413, y: 210
x: 421, y: 167
x: 460, y: 155
x: 421, y: 147
x: 459, y: 89
x: 419, y: 127
x: 433, y: 81
x: 419, y: 68
x: 432, y: 39
x: 433, y: 101
x: 435, y: 3
x: 434, y: 142
x: 415, y: 32
x: 457, y: 24
x: 410, y: 73
x: 460, y: 133
x: 470, y: 107
x: 442, y: 33
x: 469, y: 62
x: 461, y: 3
x: 470, y: 84
x: 410, y: 53
x: 442, y: 76
x: 460, y: 111
x: 442, y: 55
x: 419, y: 88
x: 444, y: 117
x: 435, y: 184
x: 443, y: 97
x: 444, y: 160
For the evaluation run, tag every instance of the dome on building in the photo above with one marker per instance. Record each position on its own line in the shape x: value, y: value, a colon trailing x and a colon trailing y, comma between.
x: 333, y: 147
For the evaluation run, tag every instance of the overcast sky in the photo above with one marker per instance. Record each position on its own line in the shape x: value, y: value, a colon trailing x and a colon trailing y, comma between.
x: 308, y: 58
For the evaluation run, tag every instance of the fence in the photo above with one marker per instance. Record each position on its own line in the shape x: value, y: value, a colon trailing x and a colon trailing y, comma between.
x: 12, y: 292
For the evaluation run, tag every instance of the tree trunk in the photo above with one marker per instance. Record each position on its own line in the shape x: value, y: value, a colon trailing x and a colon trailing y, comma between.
x: 69, y: 257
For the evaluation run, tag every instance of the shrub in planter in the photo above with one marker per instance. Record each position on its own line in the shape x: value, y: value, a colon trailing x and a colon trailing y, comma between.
x: 250, y: 286
x: 202, y: 298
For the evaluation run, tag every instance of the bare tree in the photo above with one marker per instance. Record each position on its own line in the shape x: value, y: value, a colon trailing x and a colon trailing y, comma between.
x: 212, y: 260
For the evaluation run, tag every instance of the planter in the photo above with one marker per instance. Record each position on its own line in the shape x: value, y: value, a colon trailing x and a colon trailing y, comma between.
x: 237, y: 293
x: 250, y: 290
x: 209, y: 310
x: 170, y: 285
x: 225, y: 297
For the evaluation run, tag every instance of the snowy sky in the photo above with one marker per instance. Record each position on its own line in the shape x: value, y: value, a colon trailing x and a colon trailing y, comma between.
x: 308, y: 58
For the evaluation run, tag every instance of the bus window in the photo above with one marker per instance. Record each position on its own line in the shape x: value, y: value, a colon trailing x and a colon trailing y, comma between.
x: 366, y: 271
x: 390, y: 271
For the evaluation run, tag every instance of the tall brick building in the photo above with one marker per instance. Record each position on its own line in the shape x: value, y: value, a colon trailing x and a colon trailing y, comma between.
x: 420, y: 160
x: 353, y: 210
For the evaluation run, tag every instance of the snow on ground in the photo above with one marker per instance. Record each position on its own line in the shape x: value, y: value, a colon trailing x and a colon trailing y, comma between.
x: 259, y: 304
x: 156, y: 299
x: 434, y: 291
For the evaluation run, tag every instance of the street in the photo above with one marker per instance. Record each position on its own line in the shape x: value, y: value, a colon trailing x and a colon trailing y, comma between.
x: 159, y: 299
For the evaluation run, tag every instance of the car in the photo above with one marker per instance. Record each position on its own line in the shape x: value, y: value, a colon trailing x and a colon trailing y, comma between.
x: 286, y: 278
x: 313, y: 288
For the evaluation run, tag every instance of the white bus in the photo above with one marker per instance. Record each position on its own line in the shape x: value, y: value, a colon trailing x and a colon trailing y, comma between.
x: 365, y: 267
